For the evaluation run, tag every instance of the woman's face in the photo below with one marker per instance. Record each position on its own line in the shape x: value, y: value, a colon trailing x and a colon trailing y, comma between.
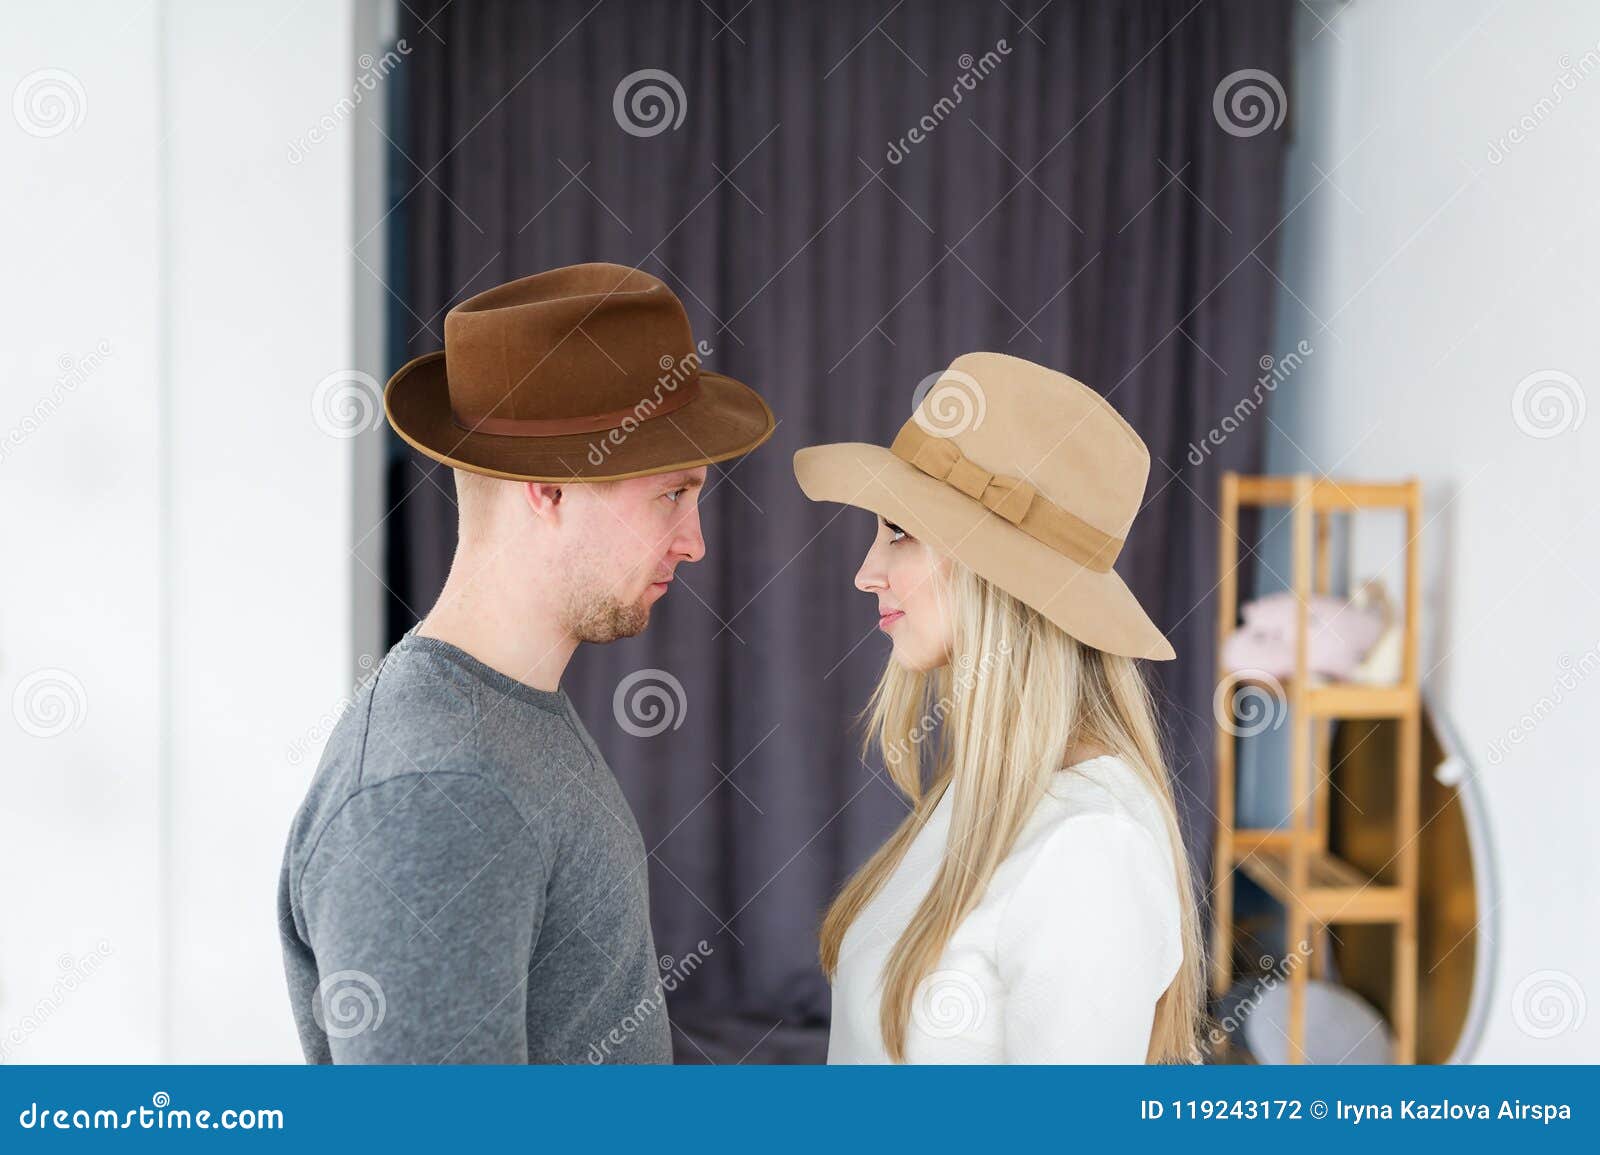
x: 911, y: 581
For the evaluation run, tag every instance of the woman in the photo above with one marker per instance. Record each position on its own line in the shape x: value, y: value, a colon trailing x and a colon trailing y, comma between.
x: 1035, y: 904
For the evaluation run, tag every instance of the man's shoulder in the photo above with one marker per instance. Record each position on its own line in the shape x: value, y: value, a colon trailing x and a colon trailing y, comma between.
x: 428, y: 714
x: 422, y: 723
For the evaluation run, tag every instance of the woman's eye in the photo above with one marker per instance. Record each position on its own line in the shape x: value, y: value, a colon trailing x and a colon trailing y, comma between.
x: 897, y: 534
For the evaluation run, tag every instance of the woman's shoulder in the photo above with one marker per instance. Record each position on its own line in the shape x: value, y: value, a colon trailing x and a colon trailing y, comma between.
x: 1095, y: 858
x: 1103, y: 800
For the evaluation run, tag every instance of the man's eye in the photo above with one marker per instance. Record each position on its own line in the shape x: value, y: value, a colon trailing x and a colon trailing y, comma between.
x: 675, y: 494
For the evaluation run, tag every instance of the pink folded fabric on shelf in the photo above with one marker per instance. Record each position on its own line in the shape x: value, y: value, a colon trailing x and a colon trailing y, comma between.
x: 1341, y: 635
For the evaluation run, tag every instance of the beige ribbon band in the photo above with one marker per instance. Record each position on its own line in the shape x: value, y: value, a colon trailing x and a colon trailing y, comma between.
x: 1013, y: 498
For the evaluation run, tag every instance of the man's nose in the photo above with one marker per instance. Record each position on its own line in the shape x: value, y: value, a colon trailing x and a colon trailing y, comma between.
x: 690, y: 544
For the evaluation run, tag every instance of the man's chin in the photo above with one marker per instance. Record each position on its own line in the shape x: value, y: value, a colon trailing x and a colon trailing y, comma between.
x: 633, y: 623
x: 615, y: 622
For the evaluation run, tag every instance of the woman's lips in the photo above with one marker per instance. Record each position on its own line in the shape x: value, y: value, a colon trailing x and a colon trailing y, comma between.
x: 890, y: 618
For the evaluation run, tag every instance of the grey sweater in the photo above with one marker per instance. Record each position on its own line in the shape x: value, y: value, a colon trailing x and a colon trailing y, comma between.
x: 465, y: 881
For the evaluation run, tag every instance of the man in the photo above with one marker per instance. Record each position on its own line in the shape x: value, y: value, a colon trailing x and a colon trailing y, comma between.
x: 464, y: 881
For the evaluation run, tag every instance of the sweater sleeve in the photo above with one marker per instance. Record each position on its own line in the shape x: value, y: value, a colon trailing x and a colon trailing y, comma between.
x: 422, y: 899
x: 1088, y: 941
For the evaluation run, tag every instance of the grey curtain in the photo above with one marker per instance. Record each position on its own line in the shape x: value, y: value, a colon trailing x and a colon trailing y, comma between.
x: 1080, y: 205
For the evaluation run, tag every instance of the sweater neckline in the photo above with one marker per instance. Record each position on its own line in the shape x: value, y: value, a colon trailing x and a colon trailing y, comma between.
x: 555, y: 701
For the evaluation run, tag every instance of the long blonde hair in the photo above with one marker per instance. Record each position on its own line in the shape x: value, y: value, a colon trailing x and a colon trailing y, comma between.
x: 1003, y: 713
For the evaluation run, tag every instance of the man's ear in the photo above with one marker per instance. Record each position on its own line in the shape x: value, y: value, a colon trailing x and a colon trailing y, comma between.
x: 543, y: 497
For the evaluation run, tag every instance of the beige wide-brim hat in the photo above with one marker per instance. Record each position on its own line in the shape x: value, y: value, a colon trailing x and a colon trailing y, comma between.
x: 1023, y: 474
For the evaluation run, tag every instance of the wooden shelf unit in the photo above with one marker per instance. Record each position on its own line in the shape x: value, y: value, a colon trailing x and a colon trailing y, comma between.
x: 1293, y: 863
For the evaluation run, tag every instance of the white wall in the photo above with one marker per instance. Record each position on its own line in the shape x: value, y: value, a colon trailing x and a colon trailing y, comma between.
x: 179, y: 526
x: 1440, y: 264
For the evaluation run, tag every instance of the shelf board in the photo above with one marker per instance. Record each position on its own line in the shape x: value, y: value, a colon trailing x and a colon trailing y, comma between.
x: 1344, y: 699
x: 1327, y: 493
x: 1335, y: 892
x: 1347, y: 700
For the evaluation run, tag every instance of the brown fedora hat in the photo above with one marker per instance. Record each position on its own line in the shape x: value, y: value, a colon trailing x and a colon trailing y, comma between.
x: 1026, y: 476
x: 587, y: 373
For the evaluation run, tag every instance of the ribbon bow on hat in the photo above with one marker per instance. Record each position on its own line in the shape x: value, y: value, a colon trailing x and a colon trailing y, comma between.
x: 1013, y: 498
x: 940, y: 459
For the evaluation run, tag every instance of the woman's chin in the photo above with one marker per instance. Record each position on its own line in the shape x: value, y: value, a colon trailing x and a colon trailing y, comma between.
x: 914, y: 662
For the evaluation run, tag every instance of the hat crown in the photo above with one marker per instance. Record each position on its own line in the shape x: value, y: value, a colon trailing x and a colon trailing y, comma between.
x: 581, y: 345
x: 1016, y: 419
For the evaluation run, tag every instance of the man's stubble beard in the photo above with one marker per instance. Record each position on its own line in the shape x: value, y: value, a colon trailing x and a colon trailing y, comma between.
x: 600, y: 618
x: 593, y: 614
x: 591, y: 611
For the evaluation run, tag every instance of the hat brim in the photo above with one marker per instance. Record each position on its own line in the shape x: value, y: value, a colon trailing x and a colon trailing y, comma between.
x: 727, y: 419
x: 1096, y: 608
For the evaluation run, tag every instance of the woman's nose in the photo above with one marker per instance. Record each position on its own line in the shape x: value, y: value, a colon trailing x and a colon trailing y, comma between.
x: 870, y: 577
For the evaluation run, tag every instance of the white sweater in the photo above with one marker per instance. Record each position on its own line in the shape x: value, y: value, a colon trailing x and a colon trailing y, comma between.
x: 1063, y: 958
